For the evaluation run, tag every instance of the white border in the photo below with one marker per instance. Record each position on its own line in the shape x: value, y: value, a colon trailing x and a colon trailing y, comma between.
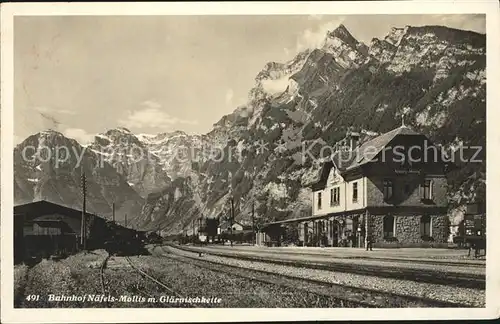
x: 9, y: 10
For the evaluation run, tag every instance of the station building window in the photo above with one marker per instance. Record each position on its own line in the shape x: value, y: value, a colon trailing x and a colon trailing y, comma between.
x: 426, y: 190
x: 389, y: 226
x: 388, y: 189
x: 425, y: 225
x: 335, y: 196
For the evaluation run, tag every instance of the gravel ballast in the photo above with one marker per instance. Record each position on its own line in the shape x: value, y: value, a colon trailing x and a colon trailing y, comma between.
x: 469, y: 296
x: 437, y: 266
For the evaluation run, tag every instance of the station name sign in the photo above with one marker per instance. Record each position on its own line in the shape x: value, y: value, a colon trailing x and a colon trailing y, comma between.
x: 407, y: 171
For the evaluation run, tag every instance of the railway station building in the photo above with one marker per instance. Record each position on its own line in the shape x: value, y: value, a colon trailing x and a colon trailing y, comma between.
x: 390, y: 190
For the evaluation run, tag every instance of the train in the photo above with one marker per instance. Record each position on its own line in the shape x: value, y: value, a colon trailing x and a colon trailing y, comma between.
x: 124, y: 241
x: 472, y: 230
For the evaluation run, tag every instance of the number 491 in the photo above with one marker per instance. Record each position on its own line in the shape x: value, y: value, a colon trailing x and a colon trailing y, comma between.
x: 33, y: 297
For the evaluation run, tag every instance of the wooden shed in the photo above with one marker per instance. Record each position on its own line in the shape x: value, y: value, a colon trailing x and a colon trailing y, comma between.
x: 43, y: 228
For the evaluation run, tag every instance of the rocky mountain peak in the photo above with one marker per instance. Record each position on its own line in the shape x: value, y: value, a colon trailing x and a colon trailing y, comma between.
x: 382, y: 50
x: 116, y: 136
x: 49, y: 138
x: 275, y: 70
x: 347, y: 51
x: 119, y: 131
x: 343, y: 34
x: 441, y: 48
x: 395, y: 35
x: 176, y: 133
x: 50, y: 133
x: 162, y: 137
x: 273, y: 66
x: 446, y: 34
x: 56, y: 177
x: 123, y: 130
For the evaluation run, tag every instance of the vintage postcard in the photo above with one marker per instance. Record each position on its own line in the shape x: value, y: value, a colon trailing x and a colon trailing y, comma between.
x: 188, y: 162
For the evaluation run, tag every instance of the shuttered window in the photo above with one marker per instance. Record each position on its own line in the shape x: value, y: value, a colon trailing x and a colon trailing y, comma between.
x: 388, y: 189
x: 426, y: 190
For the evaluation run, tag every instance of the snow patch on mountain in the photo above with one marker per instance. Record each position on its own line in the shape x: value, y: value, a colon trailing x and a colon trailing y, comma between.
x: 275, y: 86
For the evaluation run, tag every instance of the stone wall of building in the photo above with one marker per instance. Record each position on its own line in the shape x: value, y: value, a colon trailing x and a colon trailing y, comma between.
x: 375, y: 226
x: 407, y: 231
x: 440, y: 228
x: 406, y: 191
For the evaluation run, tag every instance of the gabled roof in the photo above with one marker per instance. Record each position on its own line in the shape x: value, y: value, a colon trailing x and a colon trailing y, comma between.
x: 348, y: 160
x: 226, y: 225
x: 340, y: 160
x: 238, y: 223
x: 370, y: 149
x: 36, y: 210
x: 44, y: 206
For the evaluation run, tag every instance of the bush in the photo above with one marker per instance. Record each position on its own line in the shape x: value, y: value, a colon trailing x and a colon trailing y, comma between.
x: 391, y: 239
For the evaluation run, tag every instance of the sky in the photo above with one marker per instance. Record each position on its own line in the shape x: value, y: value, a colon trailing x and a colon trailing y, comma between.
x: 83, y: 75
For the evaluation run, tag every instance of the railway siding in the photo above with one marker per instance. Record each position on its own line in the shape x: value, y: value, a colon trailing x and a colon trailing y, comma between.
x: 156, y: 282
x: 467, y: 278
x: 453, y: 268
x: 235, y: 290
x: 440, y: 293
x: 360, y: 297
x: 448, y: 257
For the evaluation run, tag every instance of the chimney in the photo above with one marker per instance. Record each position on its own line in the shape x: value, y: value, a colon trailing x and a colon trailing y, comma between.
x: 352, y: 140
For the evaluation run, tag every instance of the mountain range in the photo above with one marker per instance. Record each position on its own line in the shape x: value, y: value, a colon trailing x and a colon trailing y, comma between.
x: 433, y: 77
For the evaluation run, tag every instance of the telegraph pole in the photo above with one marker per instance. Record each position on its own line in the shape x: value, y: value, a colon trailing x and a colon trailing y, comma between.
x: 231, y: 209
x: 231, y: 219
x: 125, y: 220
x: 113, y: 212
x: 193, y: 231
x: 83, y: 233
x: 253, y: 222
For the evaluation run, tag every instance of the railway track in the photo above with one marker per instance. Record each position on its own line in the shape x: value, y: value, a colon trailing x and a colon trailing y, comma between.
x: 143, y: 274
x: 379, y: 258
x: 345, y: 295
x: 104, y: 288
x: 428, y: 276
x: 158, y: 283
x: 403, y: 260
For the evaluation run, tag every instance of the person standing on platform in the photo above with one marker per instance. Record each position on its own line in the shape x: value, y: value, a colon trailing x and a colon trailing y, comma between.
x: 369, y: 243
